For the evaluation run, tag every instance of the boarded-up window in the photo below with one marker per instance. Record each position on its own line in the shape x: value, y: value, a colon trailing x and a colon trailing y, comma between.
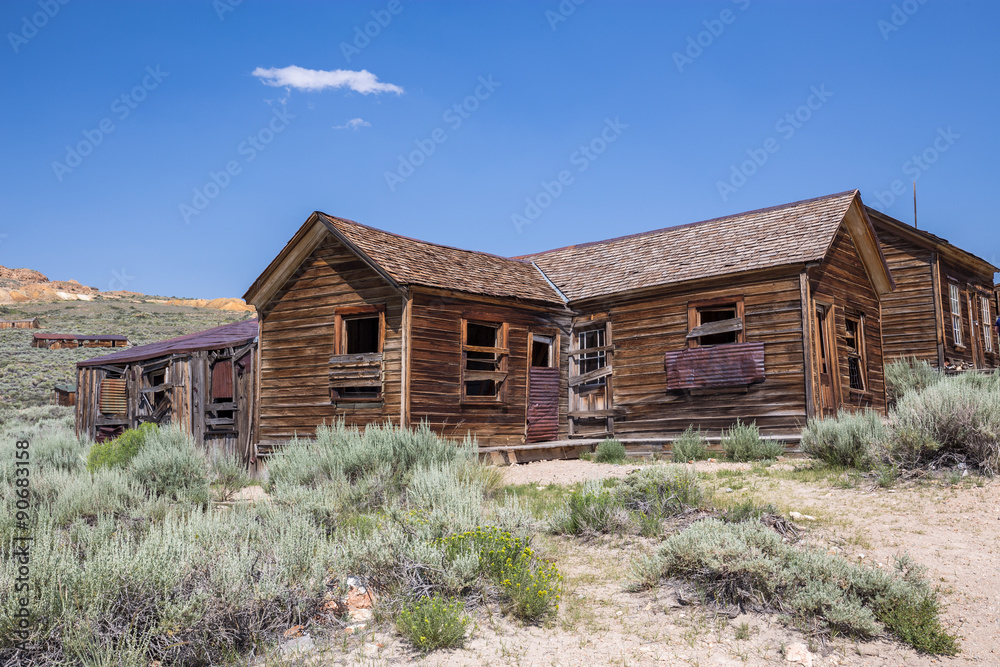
x: 715, y: 322
x: 484, y: 360
x: 356, y: 365
x: 113, y: 400
x: 222, y: 380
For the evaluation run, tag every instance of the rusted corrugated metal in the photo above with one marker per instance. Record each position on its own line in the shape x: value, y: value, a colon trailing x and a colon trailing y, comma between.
x: 222, y: 380
x: 732, y: 365
x: 543, y: 404
x: 113, y: 397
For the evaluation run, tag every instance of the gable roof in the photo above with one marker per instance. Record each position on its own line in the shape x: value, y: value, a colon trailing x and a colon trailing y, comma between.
x: 932, y: 242
x: 228, y: 335
x: 796, y: 233
x: 403, y: 261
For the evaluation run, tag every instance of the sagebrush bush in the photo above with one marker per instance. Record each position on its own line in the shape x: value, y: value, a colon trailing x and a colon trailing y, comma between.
x: 229, y: 474
x: 433, y: 622
x: 636, y: 504
x: 690, y: 446
x: 904, y: 376
x: 851, y: 439
x: 742, y: 442
x: 660, y: 491
x: 339, y: 450
x: 957, y: 415
x: 748, y: 565
x: 610, y: 451
x: 118, y: 452
x: 170, y: 466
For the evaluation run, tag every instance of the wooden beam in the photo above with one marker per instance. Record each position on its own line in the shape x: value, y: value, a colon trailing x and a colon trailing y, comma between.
x: 807, y: 343
x: 592, y: 375
x: 938, y: 307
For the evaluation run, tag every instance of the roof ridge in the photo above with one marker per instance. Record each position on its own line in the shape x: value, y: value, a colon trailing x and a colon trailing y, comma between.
x: 422, y: 242
x: 651, y: 232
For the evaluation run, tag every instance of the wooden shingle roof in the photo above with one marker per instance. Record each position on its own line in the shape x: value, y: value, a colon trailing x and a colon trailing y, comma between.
x: 412, y: 262
x: 793, y: 233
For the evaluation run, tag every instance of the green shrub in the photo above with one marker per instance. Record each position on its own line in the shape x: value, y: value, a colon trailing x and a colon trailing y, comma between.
x: 904, y: 376
x: 691, y: 446
x: 591, y: 509
x: 748, y: 510
x: 747, y: 564
x: 660, y: 491
x: 851, y: 439
x: 117, y: 453
x: 170, y: 466
x: 610, y: 451
x: 431, y: 623
x: 742, y: 442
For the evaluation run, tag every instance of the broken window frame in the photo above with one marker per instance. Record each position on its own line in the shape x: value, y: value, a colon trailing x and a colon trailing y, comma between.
x: 955, y: 300
x: 697, y: 308
x: 501, y: 359
x: 366, y: 393
x: 601, y: 356
x: 856, y: 354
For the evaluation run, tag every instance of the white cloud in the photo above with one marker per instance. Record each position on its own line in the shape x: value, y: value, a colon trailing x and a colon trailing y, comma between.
x: 362, y: 81
x: 353, y: 124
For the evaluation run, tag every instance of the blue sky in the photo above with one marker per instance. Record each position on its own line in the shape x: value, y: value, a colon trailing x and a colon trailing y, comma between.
x: 174, y: 147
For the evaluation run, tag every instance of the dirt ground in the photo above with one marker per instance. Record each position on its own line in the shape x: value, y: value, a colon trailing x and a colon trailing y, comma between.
x: 953, y: 530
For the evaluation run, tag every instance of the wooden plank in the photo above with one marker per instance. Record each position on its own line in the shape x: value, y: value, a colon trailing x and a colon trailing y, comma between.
x: 595, y: 374
x: 807, y: 347
x: 721, y: 326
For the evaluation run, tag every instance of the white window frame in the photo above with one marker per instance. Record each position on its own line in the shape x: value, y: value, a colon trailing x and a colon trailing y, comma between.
x: 984, y: 306
x: 956, y: 313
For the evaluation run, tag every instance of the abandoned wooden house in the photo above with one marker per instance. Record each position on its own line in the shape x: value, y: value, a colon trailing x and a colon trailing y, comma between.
x: 944, y: 306
x: 20, y: 324
x: 769, y: 316
x: 202, y: 381
x: 56, y: 341
x: 64, y: 394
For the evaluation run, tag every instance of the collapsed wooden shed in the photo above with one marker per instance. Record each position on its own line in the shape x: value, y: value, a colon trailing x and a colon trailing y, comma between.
x: 945, y: 303
x: 57, y: 341
x: 20, y: 324
x: 202, y: 381
x: 769, y: 316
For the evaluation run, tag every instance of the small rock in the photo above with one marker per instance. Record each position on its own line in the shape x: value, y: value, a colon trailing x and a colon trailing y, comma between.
x: 294, y: 631
x: 301, y: 644
x: 800, y: 654
x: 725, y: 489
x: 798, y: 516
x: 370, y: 649
x: 360, y: 615
x: 357, y: 627
x: 711, y: 460
x: 867, y: 650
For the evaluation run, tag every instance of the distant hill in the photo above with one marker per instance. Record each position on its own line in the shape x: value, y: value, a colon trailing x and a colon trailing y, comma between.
x: 30, y: 286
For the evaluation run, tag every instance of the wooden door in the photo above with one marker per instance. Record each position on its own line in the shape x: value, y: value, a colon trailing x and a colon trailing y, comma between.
x: 543, y: 389
x: 826, y: 361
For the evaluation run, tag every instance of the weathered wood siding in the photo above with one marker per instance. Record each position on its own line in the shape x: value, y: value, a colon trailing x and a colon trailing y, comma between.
x: 909, y: 323
x: 644, y: 328
x: 435, y: 367
x: 841, y: 280
x: 972, y: 350
x: 298, y: 338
